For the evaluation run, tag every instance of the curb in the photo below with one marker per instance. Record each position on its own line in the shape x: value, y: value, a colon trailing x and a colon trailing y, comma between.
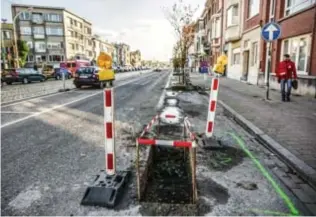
x: 304, y: 170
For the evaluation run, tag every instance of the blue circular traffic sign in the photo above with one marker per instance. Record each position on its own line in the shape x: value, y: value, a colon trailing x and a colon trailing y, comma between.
x: 271, y: 31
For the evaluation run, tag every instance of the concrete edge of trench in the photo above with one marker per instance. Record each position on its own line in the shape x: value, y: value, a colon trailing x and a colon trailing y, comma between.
x: 303, y: 170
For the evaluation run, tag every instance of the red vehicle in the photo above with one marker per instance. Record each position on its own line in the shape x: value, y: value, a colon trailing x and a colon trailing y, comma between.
x: 73, y: 65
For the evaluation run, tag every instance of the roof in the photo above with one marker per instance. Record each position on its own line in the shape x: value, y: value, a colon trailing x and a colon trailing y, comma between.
x: 51, y: 8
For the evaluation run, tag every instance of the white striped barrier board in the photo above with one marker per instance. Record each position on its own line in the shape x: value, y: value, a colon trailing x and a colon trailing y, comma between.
x: 175, y: 143
x: 109, y: 131
x: 212, y: 107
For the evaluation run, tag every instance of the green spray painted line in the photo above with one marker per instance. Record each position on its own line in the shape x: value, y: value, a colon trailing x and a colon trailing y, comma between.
x: 269, y: 212
x: 276, y: 187
x: 226, y: 160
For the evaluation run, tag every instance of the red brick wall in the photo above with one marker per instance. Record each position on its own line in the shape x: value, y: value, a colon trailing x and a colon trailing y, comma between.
x: 253, y: 21
x: 299, y: 24
x: 265, y: 13
x: 313, y: 57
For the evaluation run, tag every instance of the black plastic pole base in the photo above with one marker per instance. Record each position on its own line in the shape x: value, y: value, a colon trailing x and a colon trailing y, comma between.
x: 106, y: 190
x: 210, y: 143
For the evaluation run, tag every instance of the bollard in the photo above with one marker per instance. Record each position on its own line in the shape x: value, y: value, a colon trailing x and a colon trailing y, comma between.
x: 64, y: 82
x: 107, y: 187
x: 212, y: 107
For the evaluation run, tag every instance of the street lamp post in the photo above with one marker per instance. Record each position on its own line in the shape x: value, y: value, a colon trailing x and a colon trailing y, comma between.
x: 14, y: 36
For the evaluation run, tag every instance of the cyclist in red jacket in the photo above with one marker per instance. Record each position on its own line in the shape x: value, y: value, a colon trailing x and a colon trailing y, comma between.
x: 285, y: 73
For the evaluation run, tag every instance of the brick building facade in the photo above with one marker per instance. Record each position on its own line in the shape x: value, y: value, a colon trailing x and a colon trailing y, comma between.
x: 240, y: 35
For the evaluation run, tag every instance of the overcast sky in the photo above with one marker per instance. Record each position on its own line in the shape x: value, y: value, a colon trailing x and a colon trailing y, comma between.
x: 140, y: 23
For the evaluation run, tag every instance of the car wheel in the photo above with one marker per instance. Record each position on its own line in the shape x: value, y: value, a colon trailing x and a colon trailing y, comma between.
x: 43, y: 79
x: 25, y: 81
x: 8, y: 83
x: 58, y: 77
x: 78, y: 86
x: 69, y: 76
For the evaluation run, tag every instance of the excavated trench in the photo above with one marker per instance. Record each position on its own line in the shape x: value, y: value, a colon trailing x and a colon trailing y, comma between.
x: 169, y: 178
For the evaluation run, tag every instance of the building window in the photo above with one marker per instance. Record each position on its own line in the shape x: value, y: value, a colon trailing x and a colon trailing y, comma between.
x: 37, y: 18
x: 38, y: 32
x: 30, y: 58
x: 53, y: 45
x: 70, y: 33
x: 25, y: 30
x: 69, y: 21
x: 77, y: 47
x: 298, y: 48
x: 30, y: 44
x: 235, y: 56
x: 56, y: 58
x: 54, y: 31
x: 232, y: 16
x: 72, y: 46
x: 292, y: 6
x: 40, y: 46
x: 53, y: 17
x: 254, y: 53
x: 254, y: 7
x: 6, y: 35
x: 216, y: 30
x: 40, y: 58
x: 25, y: 15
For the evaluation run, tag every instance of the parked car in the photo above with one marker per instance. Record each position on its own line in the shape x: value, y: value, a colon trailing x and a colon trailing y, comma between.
x: 24, y: 75
x: 93, y: 76
x: 58, y: 73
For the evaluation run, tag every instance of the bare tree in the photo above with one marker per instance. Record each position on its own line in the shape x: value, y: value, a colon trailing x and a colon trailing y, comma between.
x: 180, y: 16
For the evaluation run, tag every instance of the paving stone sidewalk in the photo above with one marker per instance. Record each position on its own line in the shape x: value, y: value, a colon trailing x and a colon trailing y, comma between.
x: 292, y: 124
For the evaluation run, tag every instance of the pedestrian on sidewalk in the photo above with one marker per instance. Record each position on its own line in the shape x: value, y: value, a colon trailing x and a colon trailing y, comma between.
x: 286, y: 73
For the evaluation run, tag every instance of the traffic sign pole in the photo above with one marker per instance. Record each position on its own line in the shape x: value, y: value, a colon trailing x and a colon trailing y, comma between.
x: 268, y: 68
x: 269, y: 32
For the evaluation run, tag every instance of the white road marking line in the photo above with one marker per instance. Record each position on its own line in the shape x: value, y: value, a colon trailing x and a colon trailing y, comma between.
x: 16, y: 112
x: 162, y: 97
x: 56, y: 107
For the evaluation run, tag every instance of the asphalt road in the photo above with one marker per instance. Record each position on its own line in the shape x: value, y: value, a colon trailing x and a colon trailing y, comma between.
x: 19, y: 91
x: 52, y: 146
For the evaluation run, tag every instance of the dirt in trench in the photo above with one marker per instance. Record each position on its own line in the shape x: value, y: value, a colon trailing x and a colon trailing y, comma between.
x: 169, y: 179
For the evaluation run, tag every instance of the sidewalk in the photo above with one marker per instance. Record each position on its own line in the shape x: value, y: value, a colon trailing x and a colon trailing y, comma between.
x: 291, y: 124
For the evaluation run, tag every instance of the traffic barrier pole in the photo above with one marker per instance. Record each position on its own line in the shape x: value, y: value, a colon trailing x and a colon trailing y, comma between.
x: 109, y: 131
x: 175, y: 143
x: 149, y: 125
x: 212, y: 107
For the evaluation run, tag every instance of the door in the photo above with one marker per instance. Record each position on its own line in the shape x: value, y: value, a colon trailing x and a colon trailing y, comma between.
x: 245, y: 65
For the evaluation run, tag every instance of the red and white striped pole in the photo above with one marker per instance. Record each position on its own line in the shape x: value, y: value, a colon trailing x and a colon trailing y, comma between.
x: 109, y: 131
x: 212, y: 107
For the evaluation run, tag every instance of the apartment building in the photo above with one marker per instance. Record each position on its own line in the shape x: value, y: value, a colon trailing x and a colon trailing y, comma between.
x: 7, y: 46
x: 78, y: 37
x: 297, y: 20
x: 136, y: 58
x: 42, y: 29
x: 232, y: 35
x: 101, y: 45
x: 123, y: 54
x: 53, y: 34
